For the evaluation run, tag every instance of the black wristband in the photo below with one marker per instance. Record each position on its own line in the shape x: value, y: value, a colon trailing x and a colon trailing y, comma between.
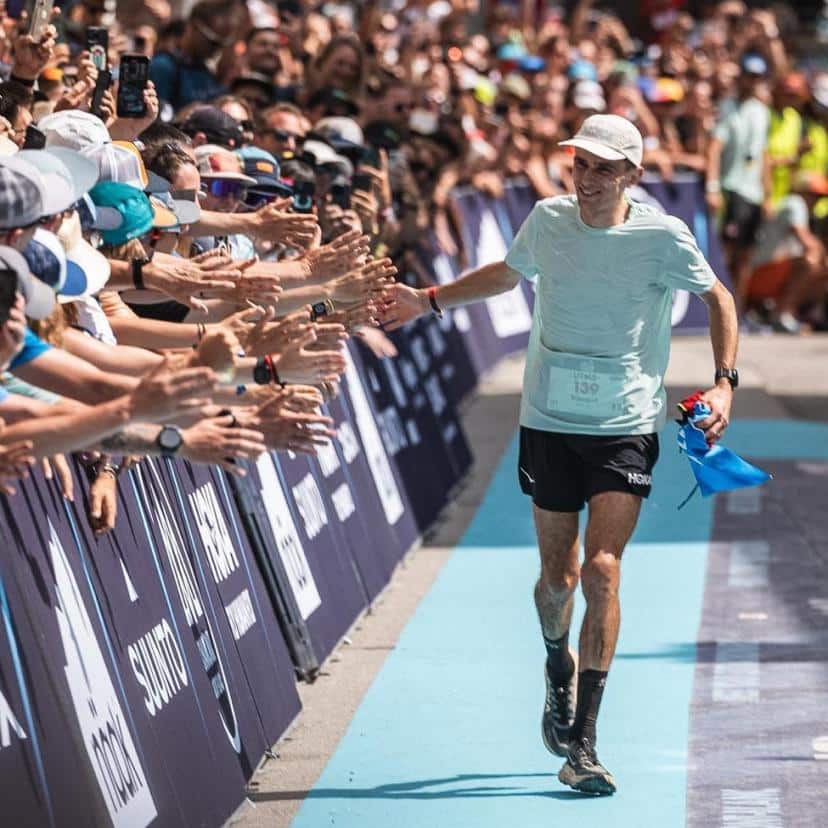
x: 137, y: 273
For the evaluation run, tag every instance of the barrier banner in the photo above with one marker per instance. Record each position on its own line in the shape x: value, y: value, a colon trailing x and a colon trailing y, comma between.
x: 458, y: 371
x: 324, y: 578
x: 486, y: 234
x: 409, y: 431
x: 84, y: 724
x: 218, y: 672
x: 357, y: 521
x: 202, y: 495
x: 379, y: 433
x: 28, y: 710
x: 159, y: 664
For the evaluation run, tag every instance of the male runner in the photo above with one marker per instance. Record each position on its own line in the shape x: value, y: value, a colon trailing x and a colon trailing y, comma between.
x: 593, y: 399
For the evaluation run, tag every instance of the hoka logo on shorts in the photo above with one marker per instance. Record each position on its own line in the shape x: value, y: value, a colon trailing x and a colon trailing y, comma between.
x: 639, y: 479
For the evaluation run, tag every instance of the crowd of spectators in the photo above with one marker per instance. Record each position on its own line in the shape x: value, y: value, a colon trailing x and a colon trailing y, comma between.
x: 181, y: 266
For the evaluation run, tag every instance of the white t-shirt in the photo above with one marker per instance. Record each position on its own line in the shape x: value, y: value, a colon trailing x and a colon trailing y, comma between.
x: 600, y: 337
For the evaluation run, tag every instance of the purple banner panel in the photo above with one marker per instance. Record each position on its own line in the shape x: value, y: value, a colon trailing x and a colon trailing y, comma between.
x: 96, y: 768
x: 409, y: 430
x: 227, y: 562
x: 223, y: 688
x: 487, y: 232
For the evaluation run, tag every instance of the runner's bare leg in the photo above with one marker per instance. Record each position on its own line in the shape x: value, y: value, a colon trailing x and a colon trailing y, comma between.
x: 612, y: 519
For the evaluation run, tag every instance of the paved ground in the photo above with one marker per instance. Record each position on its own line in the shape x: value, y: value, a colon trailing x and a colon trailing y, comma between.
x: 428, y: 716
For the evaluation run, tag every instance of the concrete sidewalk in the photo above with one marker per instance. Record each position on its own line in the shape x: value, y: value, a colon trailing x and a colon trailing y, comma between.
x: 782, y: 378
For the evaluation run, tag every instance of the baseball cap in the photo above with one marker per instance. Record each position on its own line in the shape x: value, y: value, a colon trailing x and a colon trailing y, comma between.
x: 214, y: 161
x: 121, y: 161
x: 589, y: 95
x: 185, y: 205
x: 46, y: 259
x: 39, y: 297
x: 22, y: 193
x: 753, y: 64
x: 68, y: 175
x: 341, y: 133
x: 163, y: 212
x: 322, y: 153
x: 91, y: 270
x: 217, y: 126
x: 124, y: 212
x: 610, y: 137
x: 267, y: 175
x: 73, y: 129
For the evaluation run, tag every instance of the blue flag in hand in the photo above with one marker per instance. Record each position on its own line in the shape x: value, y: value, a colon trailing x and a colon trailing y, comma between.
x: 716, y: 468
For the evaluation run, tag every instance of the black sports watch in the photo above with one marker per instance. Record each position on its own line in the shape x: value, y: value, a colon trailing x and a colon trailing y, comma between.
x: 261, y: 372
x: 730, y: 374
x: 138, y: 272
x: 169, y: 440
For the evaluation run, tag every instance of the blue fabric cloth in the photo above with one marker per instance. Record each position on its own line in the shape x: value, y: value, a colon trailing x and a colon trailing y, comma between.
x: 33, y: 347
x: 715, y: 468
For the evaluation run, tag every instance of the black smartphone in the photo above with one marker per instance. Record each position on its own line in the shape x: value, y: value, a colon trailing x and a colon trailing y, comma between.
x: 303, y: 196
x: 40, y: 18
x: 362, y: 182
x: 8, y: 293
x: 34, y: 139
x: 97, y: 44
x: 341, y: 195
x: 371, y: 157
x: 101, y: 85
x: 132, y: 81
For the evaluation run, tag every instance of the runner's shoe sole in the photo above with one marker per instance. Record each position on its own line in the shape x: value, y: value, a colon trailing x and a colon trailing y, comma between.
x: 587, y: 782
x: 557, y: 747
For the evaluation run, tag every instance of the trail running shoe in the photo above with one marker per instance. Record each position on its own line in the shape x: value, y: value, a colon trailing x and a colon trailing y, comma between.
x: 558, y: 713
x: 583, y: 772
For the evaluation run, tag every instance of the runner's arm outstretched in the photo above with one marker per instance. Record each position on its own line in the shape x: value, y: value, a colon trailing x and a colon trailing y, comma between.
x: 403, y: 303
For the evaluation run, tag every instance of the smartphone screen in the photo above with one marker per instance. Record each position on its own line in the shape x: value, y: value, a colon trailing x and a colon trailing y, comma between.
x: 97, y: 44
x: 8, y: 293
x: 362, y: 182
x: 303, y: 196
x: 371, y: 157
x: 41, y: 18
x: 132, y: 80
x: 35, y: 139
x: 101, y: 85
x: 341, y: 195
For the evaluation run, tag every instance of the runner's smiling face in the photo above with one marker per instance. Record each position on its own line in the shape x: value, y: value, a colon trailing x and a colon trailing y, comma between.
x: 600, y: 184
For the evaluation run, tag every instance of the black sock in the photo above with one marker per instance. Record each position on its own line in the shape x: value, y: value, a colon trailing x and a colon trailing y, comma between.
x: 558, y: 660
x: 590, y: 689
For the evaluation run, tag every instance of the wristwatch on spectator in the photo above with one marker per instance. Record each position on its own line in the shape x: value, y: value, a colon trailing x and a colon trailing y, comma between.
x: 169, y: 440
x: 730, y: 374
x: 138, y: 272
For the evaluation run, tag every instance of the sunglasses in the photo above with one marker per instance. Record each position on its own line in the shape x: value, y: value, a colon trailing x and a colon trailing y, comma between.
x: 224, y: 188
x: 284, y: 135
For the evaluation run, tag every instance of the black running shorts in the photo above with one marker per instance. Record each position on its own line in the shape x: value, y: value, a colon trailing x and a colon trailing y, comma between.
x: 561, y: 472
x: 741, y: 221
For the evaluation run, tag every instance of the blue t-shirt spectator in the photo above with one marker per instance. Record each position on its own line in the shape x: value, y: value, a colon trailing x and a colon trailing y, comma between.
x: 180, y: 81
x: 33, y: 347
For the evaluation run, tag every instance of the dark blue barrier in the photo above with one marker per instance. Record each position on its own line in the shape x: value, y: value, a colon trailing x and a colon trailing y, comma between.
x: 132, y: 693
